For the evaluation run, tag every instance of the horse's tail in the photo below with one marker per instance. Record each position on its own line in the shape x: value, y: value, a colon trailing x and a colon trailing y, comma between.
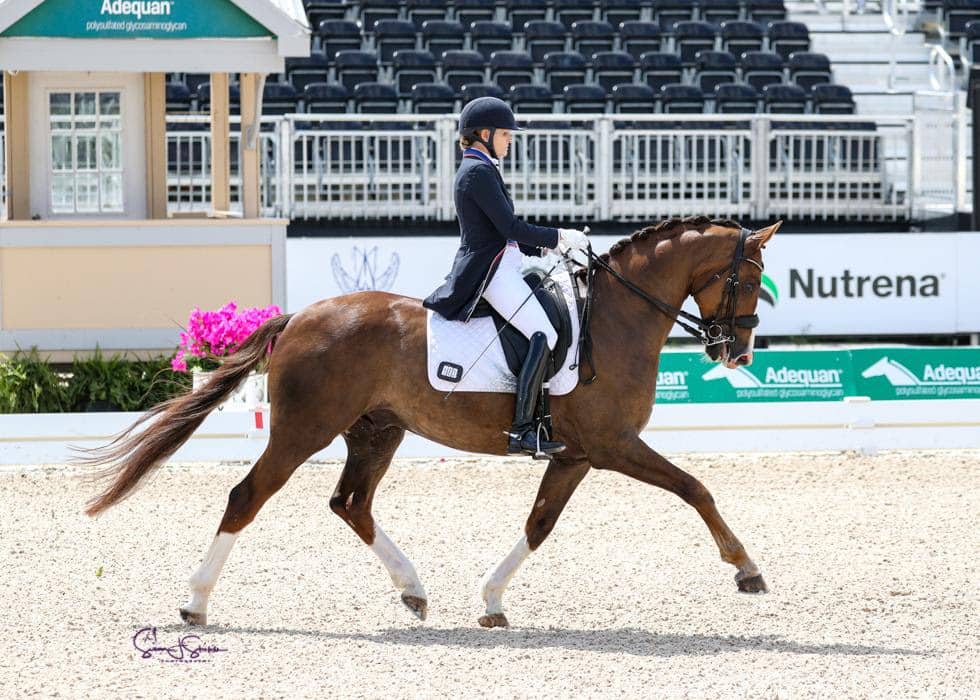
x: 130, y: 457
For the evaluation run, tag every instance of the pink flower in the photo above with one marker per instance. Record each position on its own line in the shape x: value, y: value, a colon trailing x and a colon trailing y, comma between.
x: 218, y: 333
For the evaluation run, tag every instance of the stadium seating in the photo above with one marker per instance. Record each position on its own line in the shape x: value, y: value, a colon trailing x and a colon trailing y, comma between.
x: 178, y: 98
x: 372, y: 11
x: 531, y: 99
x: 420, y: 11
x: 807, y: 69
x: 204, y: 98
x: 564, y: 68
x: 355, y: 67
x: 471, y: 91
x: 300, y: 72
x: 670, y: 12
x: 509, y: 68
x: 488, y: 37
x: 279, y: 98
x: 319, y: 10
x: 832, y: 99
x: 412, y: 66
x: 681, y: 99
x: 432, y: 98
x: 468, y: 11
x: 325, y: 98
x: 570, y: 11
x: 333, y: 35
x: 442, y: 35
x: 617, y: 12
x: 589, y: 37
x: 633, y: 99
x: 543, y: 37
x: 659, y: 69
x: 640, y: 37
x: 692, y: 37
x: 732, y: 98
x: 462, y: 67
x: 375, y: 98
x: 972, y: 42
x: 765, y: 11
x: 784, y: 99
x: 584, y: 99
x: 610, y: 68
x: 714, y: 68
x: 957, y: 14
x: 719, y: 11
x: 788, y: 37
x: 392, y: 35
x: 740, y: 36
x: 761, y: 68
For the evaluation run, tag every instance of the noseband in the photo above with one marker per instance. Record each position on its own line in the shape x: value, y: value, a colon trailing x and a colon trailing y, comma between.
x: 718, y: 329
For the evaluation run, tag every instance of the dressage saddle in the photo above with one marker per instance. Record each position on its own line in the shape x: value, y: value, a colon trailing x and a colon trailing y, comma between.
x: 514, y: 343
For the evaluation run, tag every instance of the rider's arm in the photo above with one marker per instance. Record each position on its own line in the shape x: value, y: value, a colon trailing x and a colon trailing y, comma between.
x: 486, y: 191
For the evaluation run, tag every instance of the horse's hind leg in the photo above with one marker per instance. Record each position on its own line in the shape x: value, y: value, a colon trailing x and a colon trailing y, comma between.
x: 557, y: 486
x: 278, y: 462
x: 370, y: 448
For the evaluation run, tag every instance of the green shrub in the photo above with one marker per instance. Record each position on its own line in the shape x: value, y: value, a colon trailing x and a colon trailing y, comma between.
x: 28, y: 384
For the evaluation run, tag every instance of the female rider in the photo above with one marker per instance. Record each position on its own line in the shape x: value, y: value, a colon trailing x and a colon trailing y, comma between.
x: 488, y: 262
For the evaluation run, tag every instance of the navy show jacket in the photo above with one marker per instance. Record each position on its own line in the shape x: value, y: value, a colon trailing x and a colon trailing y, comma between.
x: 486, y: 222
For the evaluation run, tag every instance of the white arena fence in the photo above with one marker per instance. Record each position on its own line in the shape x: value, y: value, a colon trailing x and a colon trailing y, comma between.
x: 629, y: 167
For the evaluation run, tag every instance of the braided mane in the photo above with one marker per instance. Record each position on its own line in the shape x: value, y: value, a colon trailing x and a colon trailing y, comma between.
x: 665, y: 230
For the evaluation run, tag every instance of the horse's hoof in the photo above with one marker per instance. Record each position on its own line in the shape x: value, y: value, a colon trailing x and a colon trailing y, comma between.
x: 418, y: 606
x: 752, y: 584
x: 494, y: 620
x: 193, y: 618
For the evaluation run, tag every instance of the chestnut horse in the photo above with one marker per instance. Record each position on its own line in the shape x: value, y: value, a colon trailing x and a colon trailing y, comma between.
x: 355, y: 366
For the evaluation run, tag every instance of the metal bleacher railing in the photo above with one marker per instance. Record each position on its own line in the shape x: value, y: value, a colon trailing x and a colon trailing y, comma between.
x: 581, y: 167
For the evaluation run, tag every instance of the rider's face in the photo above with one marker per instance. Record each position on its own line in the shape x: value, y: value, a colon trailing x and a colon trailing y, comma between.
x: 501, y: 140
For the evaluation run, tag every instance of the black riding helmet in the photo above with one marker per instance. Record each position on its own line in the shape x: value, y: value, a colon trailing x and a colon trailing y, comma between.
x: 486, y: 113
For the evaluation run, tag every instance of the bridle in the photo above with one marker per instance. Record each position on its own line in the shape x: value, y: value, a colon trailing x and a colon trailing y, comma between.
x: 718, y: 329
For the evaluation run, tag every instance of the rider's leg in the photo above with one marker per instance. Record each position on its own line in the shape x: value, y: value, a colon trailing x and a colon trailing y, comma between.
x: 507, y: 292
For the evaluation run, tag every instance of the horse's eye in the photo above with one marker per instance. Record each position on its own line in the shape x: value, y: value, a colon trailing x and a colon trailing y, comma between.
x: 749, y: 287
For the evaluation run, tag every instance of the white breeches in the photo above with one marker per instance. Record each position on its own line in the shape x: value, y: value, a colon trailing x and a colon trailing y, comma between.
x: 507, y: 290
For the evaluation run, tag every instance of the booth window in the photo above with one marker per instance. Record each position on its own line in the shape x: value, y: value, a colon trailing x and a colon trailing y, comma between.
x: 86, y: 152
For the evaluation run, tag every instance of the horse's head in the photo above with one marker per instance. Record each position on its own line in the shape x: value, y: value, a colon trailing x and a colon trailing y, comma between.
x: 726, y: 288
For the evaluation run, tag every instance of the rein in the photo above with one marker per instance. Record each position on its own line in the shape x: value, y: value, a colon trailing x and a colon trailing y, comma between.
x: 718, y: 329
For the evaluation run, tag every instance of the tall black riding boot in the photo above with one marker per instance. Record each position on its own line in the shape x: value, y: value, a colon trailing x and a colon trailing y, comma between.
x: 524, y: 434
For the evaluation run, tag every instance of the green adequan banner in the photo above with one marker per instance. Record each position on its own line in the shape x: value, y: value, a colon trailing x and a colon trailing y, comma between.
x: 822, y: 375
x: 136, y: 19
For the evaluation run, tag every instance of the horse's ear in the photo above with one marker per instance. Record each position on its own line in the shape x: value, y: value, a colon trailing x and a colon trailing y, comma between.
x: 758, y: 240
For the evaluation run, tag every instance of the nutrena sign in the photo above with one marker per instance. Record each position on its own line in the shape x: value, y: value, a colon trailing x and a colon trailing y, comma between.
x: 136, y: 19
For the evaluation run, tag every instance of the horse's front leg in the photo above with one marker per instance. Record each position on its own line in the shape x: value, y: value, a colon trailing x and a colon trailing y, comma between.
x: 634, y: 458
x: 557, y: 485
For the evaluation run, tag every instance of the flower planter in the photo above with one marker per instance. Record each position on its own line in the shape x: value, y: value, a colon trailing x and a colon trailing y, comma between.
x: 252, y: 392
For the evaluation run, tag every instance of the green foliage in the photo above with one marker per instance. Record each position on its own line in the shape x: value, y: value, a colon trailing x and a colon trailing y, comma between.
x: 28, y: 384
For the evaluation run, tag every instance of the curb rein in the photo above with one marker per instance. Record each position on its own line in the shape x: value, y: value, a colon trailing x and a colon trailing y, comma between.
x: 710, y: 331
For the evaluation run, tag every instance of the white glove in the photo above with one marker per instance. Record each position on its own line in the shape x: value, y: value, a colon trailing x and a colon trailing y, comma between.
x: 570, y: 239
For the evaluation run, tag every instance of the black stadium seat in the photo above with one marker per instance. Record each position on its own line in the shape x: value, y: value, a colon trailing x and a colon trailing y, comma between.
x: 178, y: 98
x: 373, y: 10
x: 466, y: 12
x: 718, y: 11
x: 740, y: 36
x: 681, y: 99
x: 732, y: 98
x: 633, y: 99
x: 693, y: 37
x: 714, y: 68
x: 564, y: 68
x: 765, y: 11
x: 670, y: 12
x: 325, y: 98
x: 807, y: 69
x: 471, y: 91
x: 973, y: 41
x: 204, y: 98
x: 639, y: 37
x: 584, y: 99
x: 442, y: 35
x: 520, y: 12
x: 279, y: 98
x: 618, y: 11
x: 420, y: 11
x: 336, y: 35
x: 542, y: 37
x: 570, y: 11
x: 410, y: 67
x: 392, y: 35
x: 319, y: 10
x: 784, y: 99
x: 462, y: 67
x: 659, y: 69
x: 832, y: 99
x: 432, y: 98
x: 509, y: 68
x: 589, y: 37
x: 531, y: 99
x: 355, y: 67
x: 959, y: 13
x: 300, y: 72
x: 788, y: 37
x: 761, y: 68
x: 610, y: 68
x: 488, y: 37
x: 375, y: 98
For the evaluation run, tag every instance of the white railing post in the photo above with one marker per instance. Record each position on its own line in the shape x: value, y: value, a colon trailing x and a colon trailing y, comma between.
x: 604, y: 167
x: 446, y: 159
x: 284, y: 205
x: 960, y: 150
x: 760, y: 167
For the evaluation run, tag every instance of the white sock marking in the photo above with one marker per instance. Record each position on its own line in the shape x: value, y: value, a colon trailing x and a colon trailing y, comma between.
x: 399, y: 567
x: 495, y: 581
x: 206, y: 576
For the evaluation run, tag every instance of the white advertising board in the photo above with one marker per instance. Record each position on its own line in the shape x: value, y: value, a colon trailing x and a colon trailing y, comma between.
x: 820, y: 284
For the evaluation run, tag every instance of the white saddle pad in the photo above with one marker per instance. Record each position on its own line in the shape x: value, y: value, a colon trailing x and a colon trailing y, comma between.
x: 454, y: 347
